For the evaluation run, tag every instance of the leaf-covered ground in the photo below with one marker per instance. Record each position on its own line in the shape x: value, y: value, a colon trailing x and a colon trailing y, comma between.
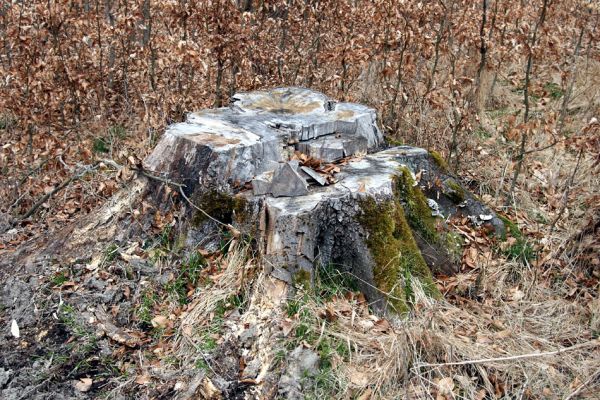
x: 88, y: 88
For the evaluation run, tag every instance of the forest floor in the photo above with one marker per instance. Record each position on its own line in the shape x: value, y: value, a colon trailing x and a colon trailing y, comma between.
x: 520, y: 320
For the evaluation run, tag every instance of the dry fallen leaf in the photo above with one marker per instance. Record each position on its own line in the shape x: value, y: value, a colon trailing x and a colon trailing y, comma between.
x: 142, y: 379
x: 446, y: 385
x: 286, y: 326
x: 516, y: 294
x: 84, y: 384
x: 357, y: 378
x: 160, y: 321
x: 366, y: 395
x: 130, y: 339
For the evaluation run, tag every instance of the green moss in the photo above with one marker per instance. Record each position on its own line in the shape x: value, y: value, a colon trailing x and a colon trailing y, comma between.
x: 455, y: 193
x: 394, y: 142
x: 554, y: 90
x: 394, y: 251
x: 511, y: 227
x: 417, y: 210
x: 439, y: 160
x: 220, y: 206
x: 302, y: 278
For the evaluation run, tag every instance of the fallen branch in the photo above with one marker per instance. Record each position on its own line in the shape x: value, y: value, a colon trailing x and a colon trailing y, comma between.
x: 57, y: 189
x: 591, y: 343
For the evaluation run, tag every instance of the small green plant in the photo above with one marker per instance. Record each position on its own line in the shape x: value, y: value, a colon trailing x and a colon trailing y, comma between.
x: 279, y: 357
x: 166, y: 238
x: 554, y: 90
x: 214, y: 329
x: 145, y: 309
x: 226, y: 239
x: 104, y: 144
x: 541, y: 218
x: 85, y: 343
x: 209, y: 343
x: 533, y: 97
x: 201, y: 364
x: 162, y: 245
x: 331, y: 281
x: 293, y: 307
x: 59, y: 279
x: 482, y: 133
x: 111, y: 252
x: 7, y: 121
x: 100, y: 145
x: 522, y: 249
x: 325, y: 383
x: 501, y: 112
x: 188, y: 277
x: 117, y: 131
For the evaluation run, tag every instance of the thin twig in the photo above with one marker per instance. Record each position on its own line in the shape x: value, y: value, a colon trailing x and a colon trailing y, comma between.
x: 591, y: 343
x: 236, y: 233
x: 583, y: 385
x: 554, y: 143
x: 565, y: 197
x: 57, y: 189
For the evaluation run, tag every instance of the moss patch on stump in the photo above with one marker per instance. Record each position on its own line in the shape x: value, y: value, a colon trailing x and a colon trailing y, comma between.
x: 417, y: 210
x: 439, y: 161
x: 396, y: 254
x: 221, y: 206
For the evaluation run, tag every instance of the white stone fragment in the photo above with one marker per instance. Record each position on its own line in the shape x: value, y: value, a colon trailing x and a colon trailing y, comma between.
x: 314, y: 175
x: 435, y: 208
x: 287, y: 182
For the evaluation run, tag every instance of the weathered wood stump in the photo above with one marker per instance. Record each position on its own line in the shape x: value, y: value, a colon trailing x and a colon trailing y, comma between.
x: 381, y: 218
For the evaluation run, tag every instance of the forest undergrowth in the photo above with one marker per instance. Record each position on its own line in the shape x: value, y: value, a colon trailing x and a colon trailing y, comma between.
x: 507, y: 92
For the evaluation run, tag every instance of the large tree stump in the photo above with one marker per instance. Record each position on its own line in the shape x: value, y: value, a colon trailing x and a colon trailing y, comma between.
x: 381, y: 218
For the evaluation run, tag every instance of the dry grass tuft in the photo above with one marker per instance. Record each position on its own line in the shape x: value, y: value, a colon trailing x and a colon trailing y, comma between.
x: 235, y: 267
x: 413, y: 357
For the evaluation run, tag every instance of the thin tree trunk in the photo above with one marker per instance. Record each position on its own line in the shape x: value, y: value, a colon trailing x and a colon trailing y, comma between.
x: 524, y: 134
x: 569, y: 91
x: 218, y: 82
x: 479, y: 101
x: 565, y: 198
